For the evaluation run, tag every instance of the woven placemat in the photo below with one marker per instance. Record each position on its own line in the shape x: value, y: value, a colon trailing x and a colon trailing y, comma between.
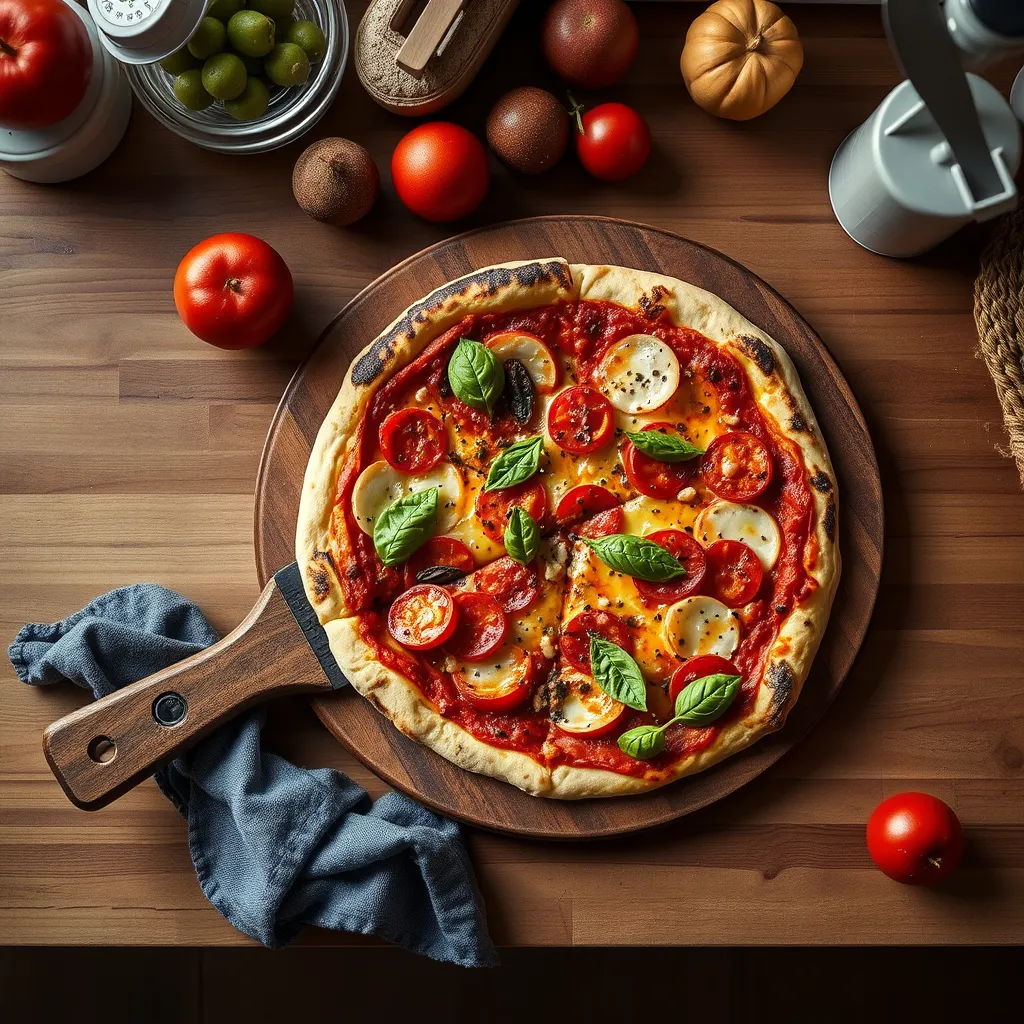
x: 999, y: 314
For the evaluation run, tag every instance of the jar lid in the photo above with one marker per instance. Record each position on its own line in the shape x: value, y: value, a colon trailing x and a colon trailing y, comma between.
x: 144, y: 31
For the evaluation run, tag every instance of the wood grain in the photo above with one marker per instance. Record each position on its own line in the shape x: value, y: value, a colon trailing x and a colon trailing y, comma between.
x: 419, y: 772
x: 100, y: 488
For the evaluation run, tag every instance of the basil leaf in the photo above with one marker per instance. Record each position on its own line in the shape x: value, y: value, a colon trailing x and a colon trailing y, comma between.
x: 475, y: 375
x: 637, y: 557
x: 442, y: 575
x: 522, y: 537
x: 518, y: 462
x: 643, y: 742
x: 617, y: 673
x: 405, y: 525
x: 706, y: 699
x: 664, y: 447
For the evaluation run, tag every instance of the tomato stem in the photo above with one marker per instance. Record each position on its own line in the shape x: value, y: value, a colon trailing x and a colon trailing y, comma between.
x: 576, y: 111
x: 934, y: 861
x: 234, y: 284
x: 8, y: 49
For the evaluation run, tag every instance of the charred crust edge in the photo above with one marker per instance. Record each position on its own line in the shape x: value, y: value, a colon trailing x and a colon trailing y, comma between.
x: 320, y: 572
x: 828, y: 521
x: 759, y: 352
x: 821, y: 482
x: 368, y: 367
x: 781, y: 680
x: 798, y: 423
x: 653, y: 305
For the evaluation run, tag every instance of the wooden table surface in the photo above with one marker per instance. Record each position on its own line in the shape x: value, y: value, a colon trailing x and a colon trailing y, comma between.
x: 128, y: 452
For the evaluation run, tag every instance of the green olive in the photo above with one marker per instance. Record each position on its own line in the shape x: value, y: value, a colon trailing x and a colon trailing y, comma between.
x: 224, y: 76
x: 287, y: 64
x: 179, y: 61
x: 188, y: 88
x: 251, y: 33
x: 207, y: 39
x: 252, y: 103
x: 308, y: 35
x: 223, y: 9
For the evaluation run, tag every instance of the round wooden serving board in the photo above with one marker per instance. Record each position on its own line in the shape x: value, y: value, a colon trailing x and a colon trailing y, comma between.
x: 483, y: 801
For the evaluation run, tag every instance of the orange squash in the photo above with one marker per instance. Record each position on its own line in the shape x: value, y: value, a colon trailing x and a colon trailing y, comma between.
x: 740, y: 58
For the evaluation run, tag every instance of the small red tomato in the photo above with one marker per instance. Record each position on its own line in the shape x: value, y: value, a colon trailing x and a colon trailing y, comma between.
x: 481, y: 629
x: 439, y: 551
x: 734, y: 573
x: 580, y: 420
x: 494, y: 507
x: 584, y: 501
x: 737, y: 466
x: 412, y: 440
x: 423, y: 617
x: 653, y: 477
x: 604, y: 524
x: 45, y: 62
x: 574, y: 642
x: 514, y: 586
x: 440, y: 171
x: 690, y: 553
x: 915, y: 838
x: 590, y: 43
x: 615, y: 142
x: 697, y: 668
x: 233, y: 290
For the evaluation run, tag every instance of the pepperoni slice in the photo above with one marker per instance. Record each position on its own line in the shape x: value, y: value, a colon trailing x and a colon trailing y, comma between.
x: 691, y: 554
x: 604, y: 524
x: 514, y: 585
x: 697, y: 668
x: 494, y: 507
x: 574, y: 642
x: 734, y: 573
x: 480, y: 629
x: 423, y: 617
x: 412, y: 440
x: 580, y: 420
x: 500, y: 686
x: 439, y: 551
x: 651, y: 477
x: 737, y: 466
x: 583, y: 502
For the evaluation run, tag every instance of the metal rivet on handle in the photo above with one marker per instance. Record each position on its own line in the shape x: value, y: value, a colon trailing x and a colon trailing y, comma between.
x: 170, y: 708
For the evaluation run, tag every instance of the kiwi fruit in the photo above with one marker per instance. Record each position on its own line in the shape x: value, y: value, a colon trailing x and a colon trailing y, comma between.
x: 335, y: 181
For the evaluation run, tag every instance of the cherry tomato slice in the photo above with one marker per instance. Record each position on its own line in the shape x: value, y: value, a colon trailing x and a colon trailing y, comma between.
x: 697, y: 668
x: 734, y: 573
x: 737, y: 466
x: 651, y: 477
x: 583, y: 502
x: 691, y: 554
x: 580, y: 420
x: 574, y: 642
x: 412, y: 440
x: 439, y: 551
x: 423, y: 617
x: 514, y: 585
x: 604, y: 524
x: 501, y: 686
x: 494, y: 507
x: 481, y: 627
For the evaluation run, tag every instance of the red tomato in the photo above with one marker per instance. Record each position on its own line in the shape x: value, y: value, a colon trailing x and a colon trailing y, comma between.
x: 515, y: 586
x: 439, y: 551
x: 697, y: 668
x: 233, y: 290
x: 583, y: 502
x: 590, y: 43
x: 412, y: 440
x: 604, y: 524
x: 734, y: 573
x: 580, y: 420
x: 423, y: 617
x: 574, y: 642
x: 440, y: 171
x: 481, y: 627
x: 493, y: 507
x: 650, y: 476
x: 499, y: 691
x: 615, y: 142
x: 737, y: 466
x: 45, y: 63
x: 915, y: 838
x: 690, y: 553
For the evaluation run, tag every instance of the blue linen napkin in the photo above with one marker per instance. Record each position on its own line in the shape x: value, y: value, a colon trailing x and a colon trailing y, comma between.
x: 274, y: 846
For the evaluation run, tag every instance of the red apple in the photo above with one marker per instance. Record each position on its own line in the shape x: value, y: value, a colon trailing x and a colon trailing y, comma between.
x: 590, y: 43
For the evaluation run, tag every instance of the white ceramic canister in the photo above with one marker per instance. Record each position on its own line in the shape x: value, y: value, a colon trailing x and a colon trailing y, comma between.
x: 87, y: 136
x: 144, y: 31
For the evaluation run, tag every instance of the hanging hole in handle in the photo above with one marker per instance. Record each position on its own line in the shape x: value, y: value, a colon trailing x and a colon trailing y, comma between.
x: 102, y: 749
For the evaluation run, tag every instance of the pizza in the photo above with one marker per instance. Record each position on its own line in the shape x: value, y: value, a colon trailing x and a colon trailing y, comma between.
x: 573, y: 527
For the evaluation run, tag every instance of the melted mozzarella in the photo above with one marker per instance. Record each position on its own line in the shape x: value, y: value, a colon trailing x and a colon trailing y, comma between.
x: 531, y: 352
x: 586, y: 707
x: 502, y: 672
x: 640, y: 374
x: 725, y: 520
x: 380, y: 485
x: 701, y: 625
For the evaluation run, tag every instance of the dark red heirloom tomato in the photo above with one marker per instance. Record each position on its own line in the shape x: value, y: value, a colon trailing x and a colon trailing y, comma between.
x: 697, y: 668
x: 652, y: 477
x: 514, y: 585
x: 440, y: 171
x: 734, y: 573
x: 915, y: 838
x: 615, y: 142
x: 481, y: 627
x: 737, y: 466
x: 45, y: 63
x: 412, y: 440
x: 604, y: 524
x: 423, y: 617
x: 590, y: 43
x: 574, y: 642
x: 580, y: 420
x: 439, y: 551
x: 502, y: 689
x: 233, y: 290
x: 494, y: 507
x: 584, y: 501
x: 690, y: 553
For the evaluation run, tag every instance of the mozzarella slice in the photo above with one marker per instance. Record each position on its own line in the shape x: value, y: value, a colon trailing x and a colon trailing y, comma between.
x: 531, y: 352
x: 701, y: 625
x: 586, y: 708
x: 725, y: 520
x: 640, y: 374
x: 501, y: 672
x: 379, y: 485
